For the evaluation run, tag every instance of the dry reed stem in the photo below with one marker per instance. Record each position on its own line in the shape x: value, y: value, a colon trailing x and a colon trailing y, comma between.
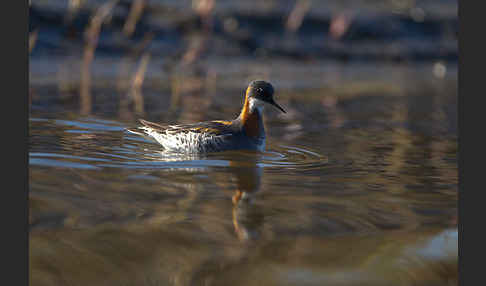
x: 340, y: 24
x: 137, y: 81
x: 204, y: 9
x: 128, y: 60
x: 297, y: 15
x: 195, y: 50
x: 133, y: 17
x: 74, y: 4
x: 73, y: 7
x: 91, y: 38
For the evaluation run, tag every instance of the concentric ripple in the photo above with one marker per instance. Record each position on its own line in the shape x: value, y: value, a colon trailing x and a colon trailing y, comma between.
x: 94, y: 144
x: 293, y: 158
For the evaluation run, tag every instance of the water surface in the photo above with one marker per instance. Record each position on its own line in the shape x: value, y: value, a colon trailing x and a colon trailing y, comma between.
x: 357, y: 186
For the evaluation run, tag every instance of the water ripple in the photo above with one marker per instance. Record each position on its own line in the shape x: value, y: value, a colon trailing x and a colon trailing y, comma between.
x: 123, y: 150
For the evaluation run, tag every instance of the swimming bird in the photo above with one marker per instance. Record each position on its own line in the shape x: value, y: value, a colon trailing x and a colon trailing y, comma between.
x: 245, y: 132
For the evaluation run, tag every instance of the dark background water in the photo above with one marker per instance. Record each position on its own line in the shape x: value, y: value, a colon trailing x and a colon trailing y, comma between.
x: 358, y: 185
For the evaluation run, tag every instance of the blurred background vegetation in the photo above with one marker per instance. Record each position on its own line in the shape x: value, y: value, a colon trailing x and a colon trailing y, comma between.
x: 78, y: 48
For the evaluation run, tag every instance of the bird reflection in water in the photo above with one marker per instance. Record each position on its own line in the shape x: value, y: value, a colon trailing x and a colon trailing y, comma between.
x: 245, y: 170
x: 247, y: 216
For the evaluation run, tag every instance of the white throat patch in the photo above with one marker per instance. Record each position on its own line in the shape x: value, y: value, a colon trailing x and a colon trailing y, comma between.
x: 256, y: 103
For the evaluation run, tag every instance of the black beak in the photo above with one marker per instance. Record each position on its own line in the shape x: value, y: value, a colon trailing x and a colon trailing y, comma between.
x: 277, y: 106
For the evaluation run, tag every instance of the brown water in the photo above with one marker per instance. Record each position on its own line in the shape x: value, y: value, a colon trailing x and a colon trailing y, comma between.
x: 359, y: 182
x: 358, y: 185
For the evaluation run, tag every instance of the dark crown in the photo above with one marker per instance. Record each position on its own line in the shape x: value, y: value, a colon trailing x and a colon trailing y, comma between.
x: 260, y: 89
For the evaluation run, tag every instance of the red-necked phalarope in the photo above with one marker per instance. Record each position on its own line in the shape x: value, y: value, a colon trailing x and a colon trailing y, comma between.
x: 244, y: 132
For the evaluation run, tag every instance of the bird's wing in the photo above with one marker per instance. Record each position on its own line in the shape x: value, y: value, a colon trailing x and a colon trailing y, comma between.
x: 217, y: 127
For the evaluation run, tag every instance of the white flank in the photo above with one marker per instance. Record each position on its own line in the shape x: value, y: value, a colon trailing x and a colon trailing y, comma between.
x: 184, y: 142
